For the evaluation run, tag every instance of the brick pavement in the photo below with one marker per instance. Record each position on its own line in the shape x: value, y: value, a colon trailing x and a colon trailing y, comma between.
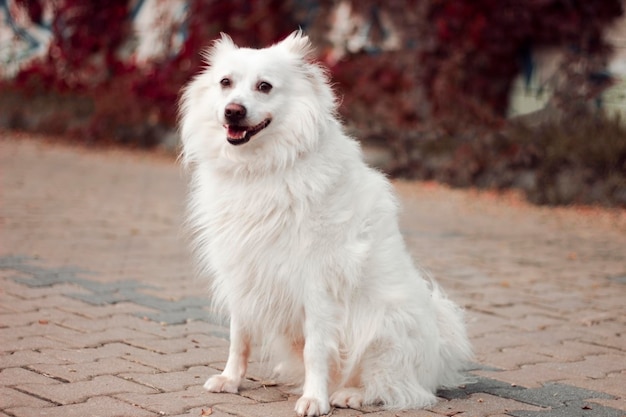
x: 100, y: 314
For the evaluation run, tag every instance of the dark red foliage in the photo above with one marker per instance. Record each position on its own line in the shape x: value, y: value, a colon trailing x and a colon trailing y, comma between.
x: 34, y: 9
x: 474, y: 48
x: 84, y: 58
x: 83, y: 52
x: 458, y: 60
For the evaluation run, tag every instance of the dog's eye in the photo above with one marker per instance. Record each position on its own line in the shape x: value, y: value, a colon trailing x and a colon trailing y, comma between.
x: 264, y: 87
x: 225, y: 82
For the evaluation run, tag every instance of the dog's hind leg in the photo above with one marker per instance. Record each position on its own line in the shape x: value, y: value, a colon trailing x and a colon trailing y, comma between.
x: 395, y: 371
x: 400, y: 375
x: 348, y: 398
x: 289, y: 355
x: 236, y: 365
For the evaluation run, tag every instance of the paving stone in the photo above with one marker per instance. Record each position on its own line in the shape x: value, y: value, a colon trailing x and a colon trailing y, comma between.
x: 512, y: 358
x: 202, y: 412
x: 536, y: 322
x: 43, y: 327
x: 285, y: 408
x: 53, y: 315
x: 13, y: 262
x: 11, y: 398
x: 24, y: 358
x: 31, y: 343
x: 563, y: 303
x: 96, y: 312
x: 480, y: 404
x: 178, y: 361
x: 593, y: 367
x: 9, y: 286
x: 172, y: 381
x: 494, y: 342
x: 264, y: 394
x: 612, y: 384
x: 618, y: 341
x: 125, y: 293
x: 554, y: 335
x: 181, y: 330
x: 570, y: 350
x: 394, y: 413
x: 574, y: 409
x: 54, y: 301
x: 163, y: 345
x: 48, y: 278
x: 619, y: 279
x: 107, y: 336
x: 481, y: 384
x: 554, y: 395
x: 530, y: 376
x: 183, y: 316
x: 15, y: 376
x: 117, y: 318
x: 253, y: 409
x: 183, y: 343
x: 609, y: 333
x: 73, y: 372
x: 87, y: 355
x: 75, y: 392
x: 347, y: 412
x: 617, y: 403
x: 122, y: 287
x: 172, y: 403
x: 519, y: 311
x: 97, y: 406
x: 608, y: 327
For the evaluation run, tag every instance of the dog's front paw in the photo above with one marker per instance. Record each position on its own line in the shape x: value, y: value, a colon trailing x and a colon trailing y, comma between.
x: 221, y: 383
x: 347, y: 398
x: 307, y: 406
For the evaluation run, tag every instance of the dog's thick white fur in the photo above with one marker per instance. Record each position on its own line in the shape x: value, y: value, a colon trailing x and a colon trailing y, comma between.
x: 301, y: 239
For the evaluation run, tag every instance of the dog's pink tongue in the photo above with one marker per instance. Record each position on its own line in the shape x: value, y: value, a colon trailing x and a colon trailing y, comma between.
x: 235, y: 132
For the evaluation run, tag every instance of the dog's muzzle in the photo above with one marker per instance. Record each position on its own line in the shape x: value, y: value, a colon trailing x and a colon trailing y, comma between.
x: 237, y: 132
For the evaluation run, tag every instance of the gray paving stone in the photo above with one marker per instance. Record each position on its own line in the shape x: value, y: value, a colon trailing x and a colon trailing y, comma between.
x: 573, y: 409
x: 552, y: 395
x: 619, y: 279
x: 561, y: 399
x: 186, y: 315
x: 102, y: 294
x: 490, y: 386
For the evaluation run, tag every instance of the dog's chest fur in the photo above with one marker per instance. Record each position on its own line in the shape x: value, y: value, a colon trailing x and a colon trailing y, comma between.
x: 271, y: 240
x: 260, y: 238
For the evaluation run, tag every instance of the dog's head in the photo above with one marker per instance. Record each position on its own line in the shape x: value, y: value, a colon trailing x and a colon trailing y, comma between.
x: 255, y: 98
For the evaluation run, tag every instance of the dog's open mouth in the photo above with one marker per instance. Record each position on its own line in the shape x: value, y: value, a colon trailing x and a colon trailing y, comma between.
x: 238, y: 135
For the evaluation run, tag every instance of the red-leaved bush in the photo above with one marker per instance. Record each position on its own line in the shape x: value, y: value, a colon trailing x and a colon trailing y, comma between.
x: 131, y: 103
x: 475, y: 48
x: 455, y: 67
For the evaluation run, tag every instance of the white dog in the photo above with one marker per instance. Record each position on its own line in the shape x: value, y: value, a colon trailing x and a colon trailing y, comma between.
x: 301, y: 239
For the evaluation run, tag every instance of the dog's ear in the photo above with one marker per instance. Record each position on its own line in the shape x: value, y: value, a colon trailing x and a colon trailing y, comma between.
x: 225, y: 40
x: 299, y: 44
x: 223, y: 43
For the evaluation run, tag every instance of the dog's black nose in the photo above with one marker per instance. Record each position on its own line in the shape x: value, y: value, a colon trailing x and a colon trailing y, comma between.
x: 234, y: 112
